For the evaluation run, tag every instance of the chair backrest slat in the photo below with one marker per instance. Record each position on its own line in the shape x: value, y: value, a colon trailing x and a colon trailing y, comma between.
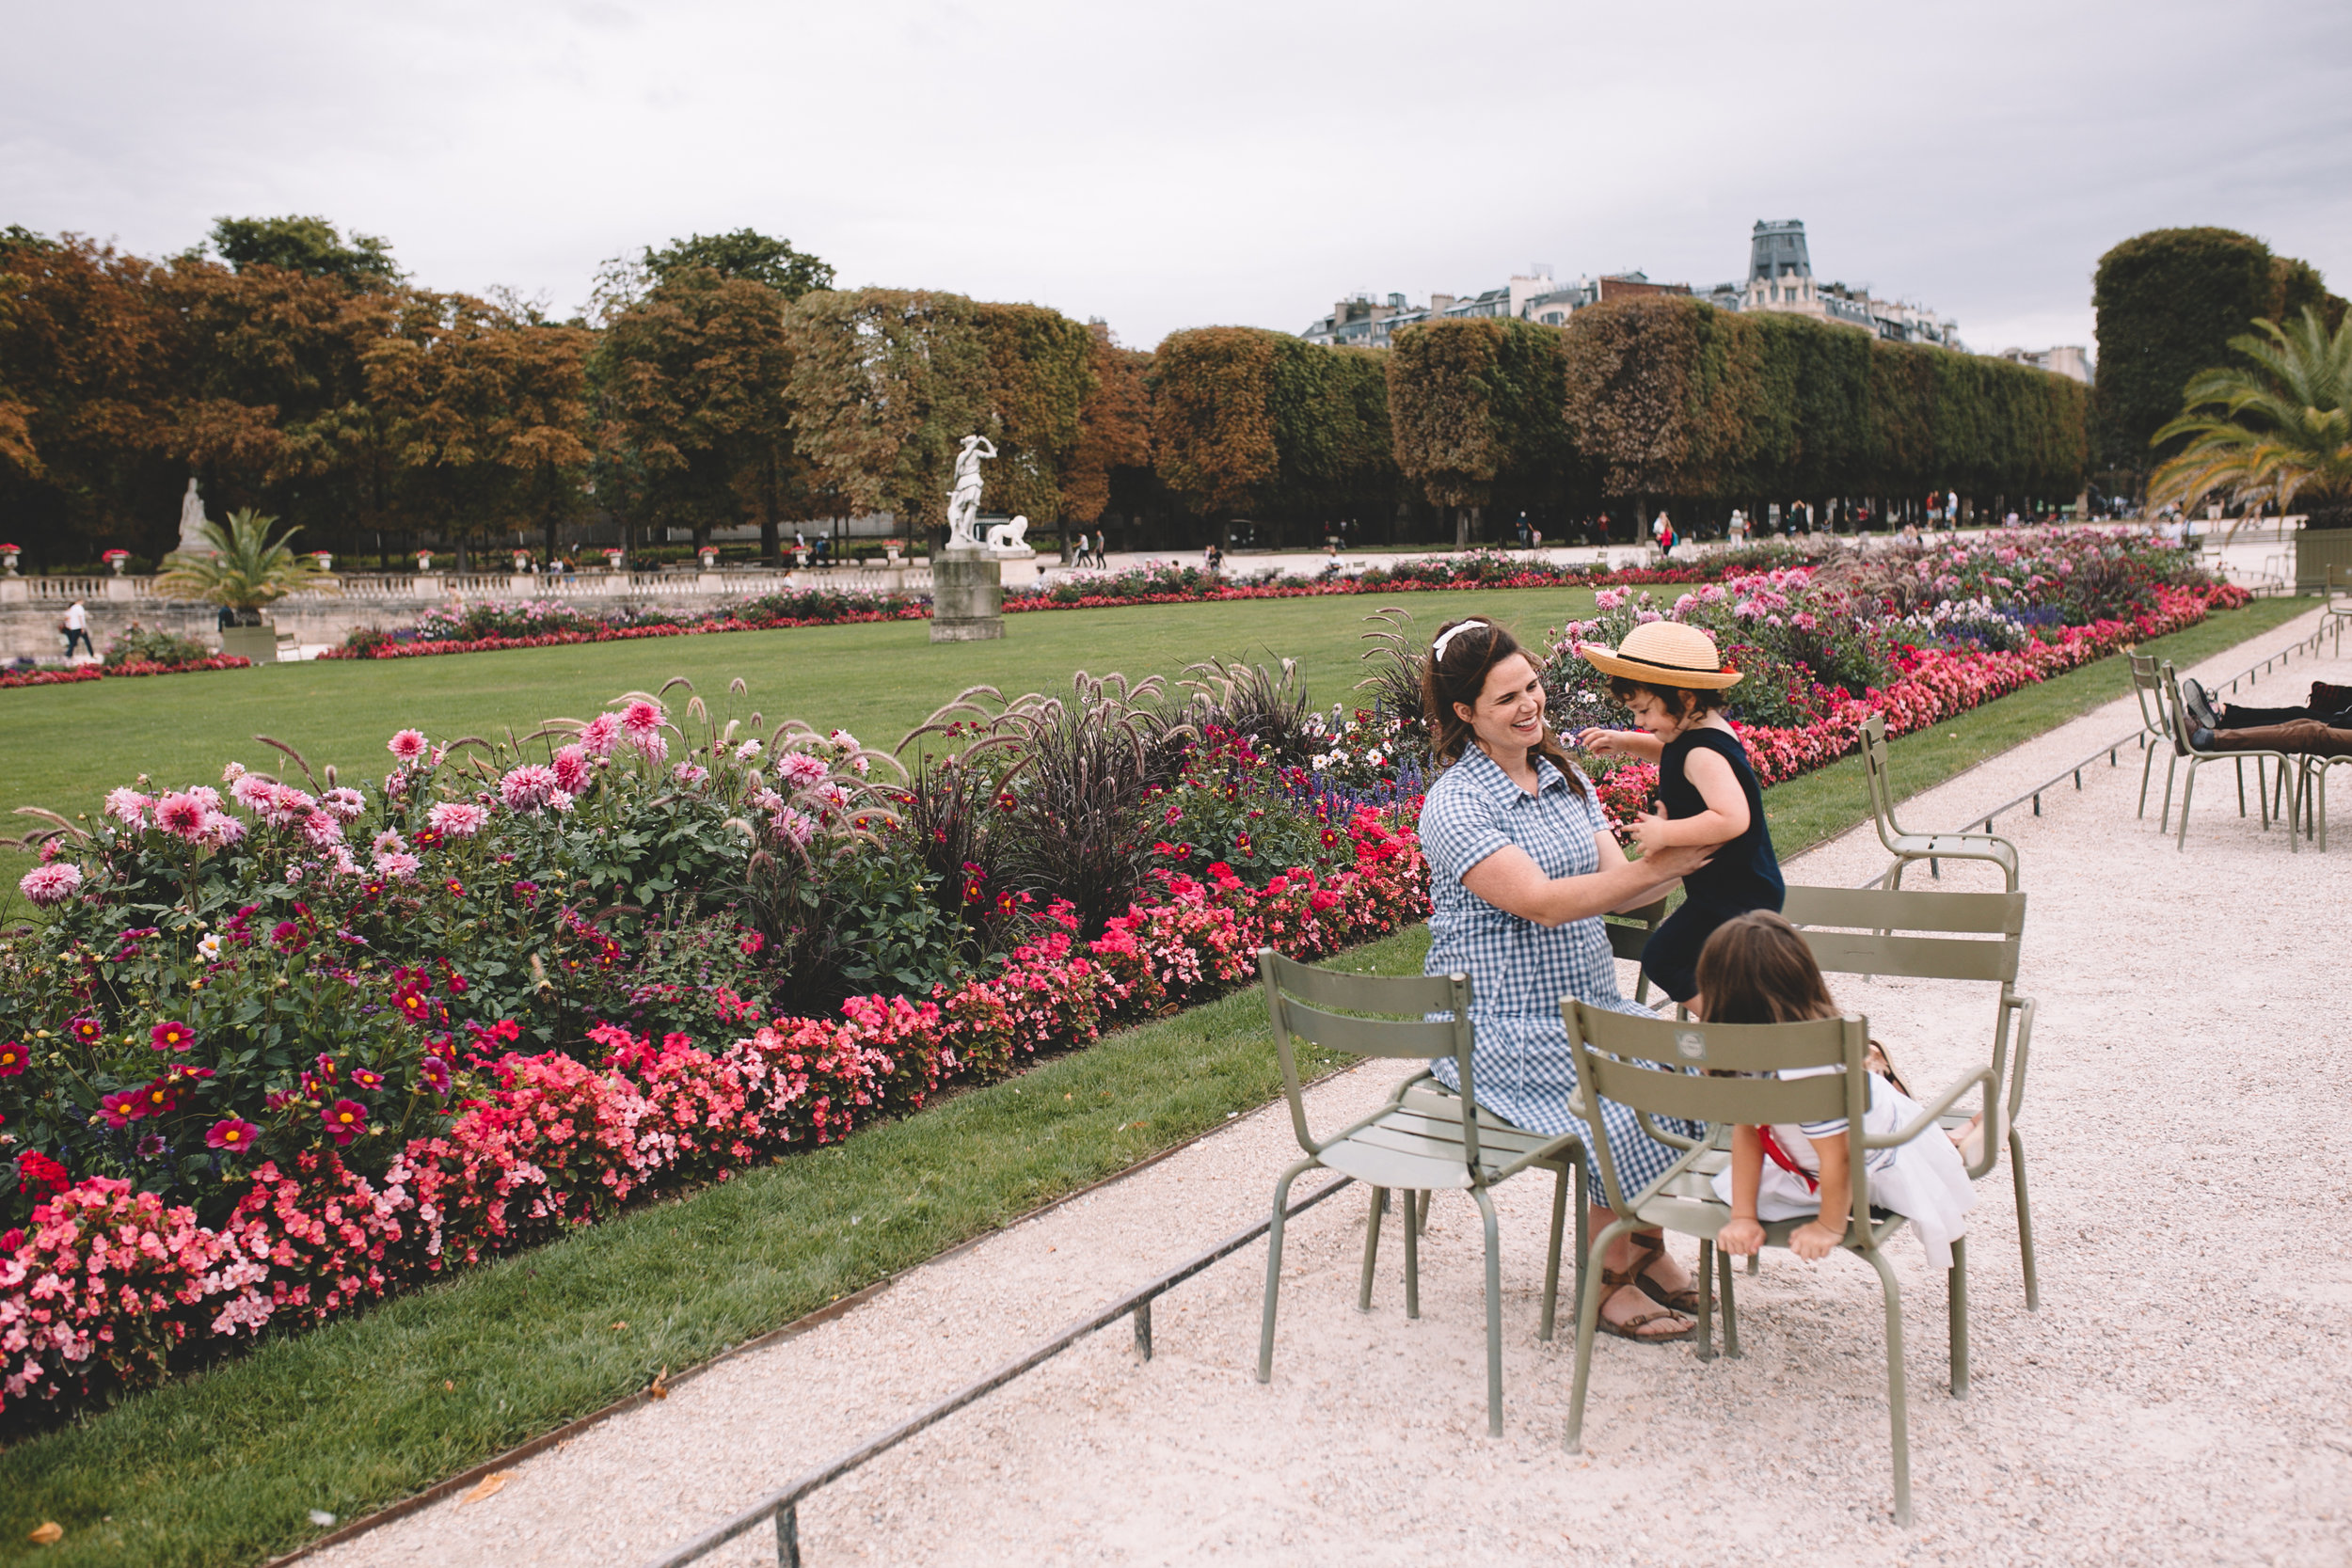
x: 1364, y: 993
x: 1915, y: 958
x: 1367, y: 1037
x: 1879, y: 910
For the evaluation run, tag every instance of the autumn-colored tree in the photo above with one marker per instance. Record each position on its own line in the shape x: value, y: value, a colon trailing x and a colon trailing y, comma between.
x: 1213, y: 420
x: 1476, y: 409
x: 1040, y: 372
x: 487, y: 415
x: 93, y: 362
x: 1114, y: 426
x: 885, y: 383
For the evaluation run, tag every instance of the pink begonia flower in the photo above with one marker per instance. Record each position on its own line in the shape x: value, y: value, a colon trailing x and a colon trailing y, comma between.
x: 49, y: 884
x: 222, y: 830
x: 527, y: 789
x: 794, y: 826
x: 345, y: 803
x: 408, y: 745
x: 600, y: 734
x: 797, y: 770
x: 396, y: 864
x: 456, y: 819
x: 640, y: 719
x: 128, y: 807
x: 572, y: 770
x: 181, y: 814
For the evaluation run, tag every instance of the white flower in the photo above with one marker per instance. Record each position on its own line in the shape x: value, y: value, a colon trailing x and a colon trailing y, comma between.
x: 208, y: 949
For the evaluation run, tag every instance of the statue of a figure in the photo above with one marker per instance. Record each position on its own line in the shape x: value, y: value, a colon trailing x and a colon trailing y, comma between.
x: 192, y: 539
x: 963, y: 501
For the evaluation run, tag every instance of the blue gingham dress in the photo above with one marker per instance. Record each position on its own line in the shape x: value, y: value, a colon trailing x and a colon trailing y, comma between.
x: 1519, y: 970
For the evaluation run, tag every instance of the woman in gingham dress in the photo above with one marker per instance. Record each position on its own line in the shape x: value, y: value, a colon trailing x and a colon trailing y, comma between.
x: 1522, y: 865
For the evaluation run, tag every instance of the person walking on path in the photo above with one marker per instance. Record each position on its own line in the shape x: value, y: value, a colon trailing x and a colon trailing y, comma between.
x: 76, y: 628
x: 1522, y: 865
x: 1670, y: 677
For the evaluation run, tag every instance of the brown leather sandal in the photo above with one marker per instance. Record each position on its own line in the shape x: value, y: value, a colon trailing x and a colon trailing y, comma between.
x: 1652, y: 1248
x: 1612, y: 1282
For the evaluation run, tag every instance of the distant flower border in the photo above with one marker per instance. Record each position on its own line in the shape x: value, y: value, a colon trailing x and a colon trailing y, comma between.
x: 101, y: 672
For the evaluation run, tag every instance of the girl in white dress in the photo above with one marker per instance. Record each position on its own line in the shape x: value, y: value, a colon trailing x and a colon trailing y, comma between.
x: 1756, y: 969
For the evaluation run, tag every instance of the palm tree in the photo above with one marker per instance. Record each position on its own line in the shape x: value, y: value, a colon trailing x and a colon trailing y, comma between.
x: 244, y: 568
x: 2279, y: 431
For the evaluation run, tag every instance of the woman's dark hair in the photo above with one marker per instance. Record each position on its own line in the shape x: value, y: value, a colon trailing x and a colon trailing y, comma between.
x: 1756, y: 969
x: 1680, y: 701
x: 1459, y: 675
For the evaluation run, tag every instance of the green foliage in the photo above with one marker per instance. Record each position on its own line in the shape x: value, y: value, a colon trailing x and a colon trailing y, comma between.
x: 138, y: 644
x: 1247, y: 422
x: 1040, y: 372
x: 2169, y: 303
x: 2274, y: 433
x: 306, y: 245
x: 884, y: 384
x: 747, y: 254
x: 1478, y: 404
x: 243, y: 568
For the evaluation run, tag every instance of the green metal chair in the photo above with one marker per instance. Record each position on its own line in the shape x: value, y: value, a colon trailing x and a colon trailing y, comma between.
x: 1414, y: 1142
x: 2291, y: 777
x: 1971, y: 936
x: 1931, y: 847
x: 2338, y: 590
x: 1707, y: 1072
x: 2314, y: 793
x: 1629, y: 932
x: 2155, y: 726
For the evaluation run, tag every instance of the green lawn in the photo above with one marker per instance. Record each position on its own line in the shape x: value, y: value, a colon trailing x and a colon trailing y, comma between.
x: 64, y: 746
x: 224, y: 1468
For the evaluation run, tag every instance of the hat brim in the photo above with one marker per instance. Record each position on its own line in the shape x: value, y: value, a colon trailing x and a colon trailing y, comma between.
x: 1608, y: 663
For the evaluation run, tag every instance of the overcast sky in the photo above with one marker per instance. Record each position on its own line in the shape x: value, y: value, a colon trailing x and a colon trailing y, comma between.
x: 1177, y: 166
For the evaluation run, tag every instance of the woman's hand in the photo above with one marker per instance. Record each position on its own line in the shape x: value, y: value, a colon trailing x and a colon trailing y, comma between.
x: 1671, y: 860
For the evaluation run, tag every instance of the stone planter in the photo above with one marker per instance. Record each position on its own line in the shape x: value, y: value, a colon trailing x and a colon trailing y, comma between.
x: 258, y: 643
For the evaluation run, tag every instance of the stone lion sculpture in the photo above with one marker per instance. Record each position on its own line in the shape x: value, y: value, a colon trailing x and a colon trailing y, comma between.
x: 1009, y: 536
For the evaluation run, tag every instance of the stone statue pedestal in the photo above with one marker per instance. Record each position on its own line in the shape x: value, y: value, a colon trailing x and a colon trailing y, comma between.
x: 967, y: 596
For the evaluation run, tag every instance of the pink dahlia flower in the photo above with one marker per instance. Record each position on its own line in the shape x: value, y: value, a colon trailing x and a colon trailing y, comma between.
x: 389, y: 839
x: 206, y: 795
x: 794, y: 826
x: 527, y: 789
x: 345, y: 803
x: 797, y: 770
x: 600, y: 734
x: 181, y: 814
x: 396, y: 864
x: 640, y: 719
x: 345, y: 1120
x: 654, y: 745
x: 689, y: 774
x: 49, y: 884
x: 457, y: 819
x: 233, y: 1135
x: 572, y: 768
x: 322, y: 830
x: 222, y: 830
x: 128, y: 807
x: 408, y: 745
x: 253, y: 792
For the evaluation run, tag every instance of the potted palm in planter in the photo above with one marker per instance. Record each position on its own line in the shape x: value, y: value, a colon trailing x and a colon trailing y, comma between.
x: 245, y: 571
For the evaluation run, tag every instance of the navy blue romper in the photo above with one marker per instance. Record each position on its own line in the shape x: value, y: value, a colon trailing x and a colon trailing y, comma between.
x: 1745, y: 874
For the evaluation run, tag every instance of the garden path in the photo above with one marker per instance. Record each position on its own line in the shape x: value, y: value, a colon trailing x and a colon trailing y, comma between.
x: 2178, y: 1397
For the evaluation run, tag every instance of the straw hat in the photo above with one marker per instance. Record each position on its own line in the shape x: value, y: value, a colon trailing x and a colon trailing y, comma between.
x: 1663, y: 653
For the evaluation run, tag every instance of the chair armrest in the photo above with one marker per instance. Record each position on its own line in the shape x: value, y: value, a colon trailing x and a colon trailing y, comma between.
x: 2019, y: 1051
x: 1396, y: 1096
x: 1928, y: 1117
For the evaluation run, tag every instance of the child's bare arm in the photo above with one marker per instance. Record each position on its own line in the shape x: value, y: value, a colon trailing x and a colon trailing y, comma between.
x: 1745, y: 1232
x: 1820, y: 1237
x: 1605, y: 742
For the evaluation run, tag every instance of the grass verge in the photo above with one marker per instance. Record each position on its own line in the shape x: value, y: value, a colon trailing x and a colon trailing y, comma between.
x: 224, y: 1468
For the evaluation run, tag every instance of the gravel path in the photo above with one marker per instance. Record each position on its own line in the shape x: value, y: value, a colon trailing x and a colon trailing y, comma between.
x: 2179, y: 1398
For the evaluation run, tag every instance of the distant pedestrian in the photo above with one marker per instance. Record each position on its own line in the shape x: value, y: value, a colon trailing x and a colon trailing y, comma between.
x: 76, y: 628
x: 1737, y: 530
x: 1661, y: 531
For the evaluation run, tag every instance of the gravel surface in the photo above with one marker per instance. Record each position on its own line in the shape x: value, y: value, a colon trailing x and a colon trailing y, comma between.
x: 2180, y: 1397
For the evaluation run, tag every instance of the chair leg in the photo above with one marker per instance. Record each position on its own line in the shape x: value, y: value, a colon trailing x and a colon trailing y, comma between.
x: 1956, y: 1292
x: 1412, y: 1255
x: 1582, y: 1203
x: 2258, y: 790
x: 1703, y: 1346
x: 2147, y: 770
x: 1755, y: 1262
x: 2188, y: 788
x: 1551, y: 1255
x: 1587, y: 1321
x: 1731, y: 1308
x: 2164, y: 818
x: 1898, y: 1412
x: 1372, y: 1247
x: 1494, y: 1314
x: 2025, y: 1219
x: 1274, y: 1267
x: 1420, y: 1212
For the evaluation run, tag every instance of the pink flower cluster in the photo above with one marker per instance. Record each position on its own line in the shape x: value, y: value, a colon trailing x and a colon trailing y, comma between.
x: 109, y: 1285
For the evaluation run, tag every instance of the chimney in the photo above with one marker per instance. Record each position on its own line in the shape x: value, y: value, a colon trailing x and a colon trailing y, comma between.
x: 1439, y: 304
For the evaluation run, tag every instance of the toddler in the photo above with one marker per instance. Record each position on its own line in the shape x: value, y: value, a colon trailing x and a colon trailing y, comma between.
x: 1670, y: 676
x: 1756, y: 969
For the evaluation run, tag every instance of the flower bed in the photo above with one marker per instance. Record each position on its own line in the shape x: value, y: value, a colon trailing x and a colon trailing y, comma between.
x: 70, y: 674
x: 281, y: 1051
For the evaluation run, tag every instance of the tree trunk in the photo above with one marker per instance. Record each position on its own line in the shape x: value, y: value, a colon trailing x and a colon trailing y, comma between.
x: 1461, y: 528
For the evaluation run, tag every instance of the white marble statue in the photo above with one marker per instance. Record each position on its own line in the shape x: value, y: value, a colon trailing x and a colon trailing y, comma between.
x: 963, y: 501
x: 192, y: 539
x: 1011, y: 538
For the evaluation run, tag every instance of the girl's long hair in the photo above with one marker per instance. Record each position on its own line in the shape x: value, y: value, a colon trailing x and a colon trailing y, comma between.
x: 1460, y: 676
x: 1756, y: 969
